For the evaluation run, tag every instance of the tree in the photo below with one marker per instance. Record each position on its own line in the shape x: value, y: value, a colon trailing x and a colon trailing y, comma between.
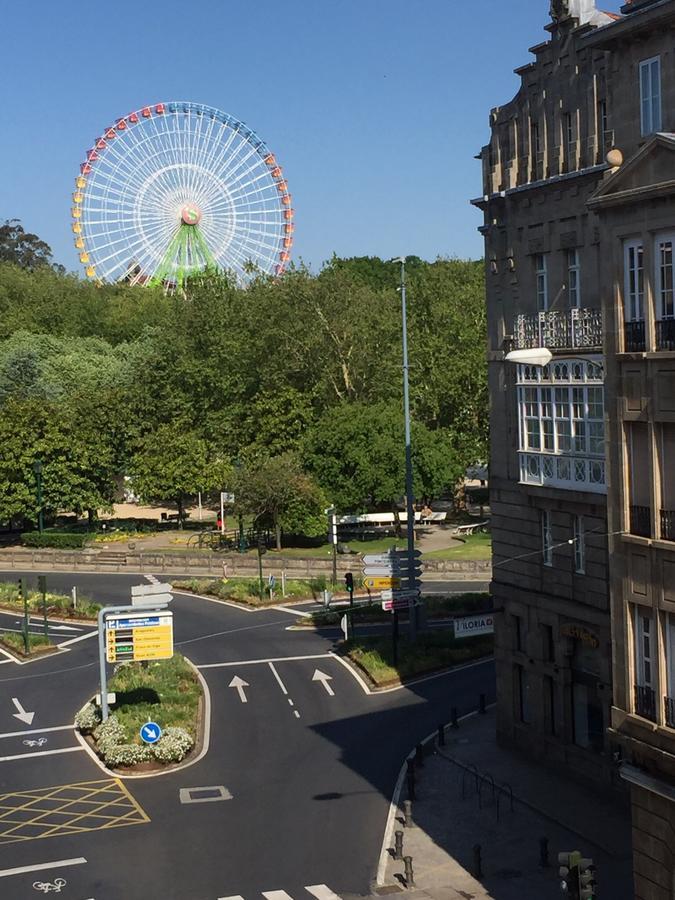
x: 173, y: 463
x: 23, y: 248
x: 278, y: 490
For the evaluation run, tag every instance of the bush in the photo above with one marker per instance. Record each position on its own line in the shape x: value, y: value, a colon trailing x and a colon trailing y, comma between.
x: 174, y: 745
x: 109, y: 733
x: 59, y: 539
x: 88, y: 718
x: 125, y: 754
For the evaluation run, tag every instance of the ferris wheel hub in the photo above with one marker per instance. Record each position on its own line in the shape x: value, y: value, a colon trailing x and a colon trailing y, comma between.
x: 191, y: 214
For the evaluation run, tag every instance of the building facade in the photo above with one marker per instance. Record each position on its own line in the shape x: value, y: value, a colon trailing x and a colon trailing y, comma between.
x: 548, y: 477
x: 635, y: 206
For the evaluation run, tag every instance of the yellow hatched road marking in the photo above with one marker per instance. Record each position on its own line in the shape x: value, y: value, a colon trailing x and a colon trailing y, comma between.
x: 64, y: 809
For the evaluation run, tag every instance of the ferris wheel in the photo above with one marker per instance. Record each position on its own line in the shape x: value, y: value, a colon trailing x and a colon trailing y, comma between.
x: 176, y: 188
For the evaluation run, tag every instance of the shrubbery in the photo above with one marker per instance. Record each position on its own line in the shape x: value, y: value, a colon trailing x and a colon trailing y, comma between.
x: 59, y: 539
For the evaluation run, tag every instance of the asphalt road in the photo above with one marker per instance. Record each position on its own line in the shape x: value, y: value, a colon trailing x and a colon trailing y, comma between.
x: 307, y: 767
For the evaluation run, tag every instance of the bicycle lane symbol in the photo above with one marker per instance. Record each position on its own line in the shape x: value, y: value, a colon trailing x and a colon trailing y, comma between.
x: 37, y: 742
x: 47, y: 887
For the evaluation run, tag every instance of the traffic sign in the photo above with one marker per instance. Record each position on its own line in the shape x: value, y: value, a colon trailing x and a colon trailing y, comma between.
x: 394, y: 600
x: 271, y: 581
x: 400, y: 595
x: 139, y: 636
x: 143, y: 590
x: 382, y: 570
x: 377, y: 583
x: 150, y: 732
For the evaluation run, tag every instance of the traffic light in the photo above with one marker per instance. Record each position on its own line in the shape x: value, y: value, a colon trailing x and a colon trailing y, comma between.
x: 349, y: 582
x: 587, y: 883
x: 569, y: 873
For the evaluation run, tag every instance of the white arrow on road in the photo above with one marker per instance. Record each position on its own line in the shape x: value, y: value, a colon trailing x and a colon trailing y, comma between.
x: 324, y: 679
x: 240, y: 684
x: 22, y: 715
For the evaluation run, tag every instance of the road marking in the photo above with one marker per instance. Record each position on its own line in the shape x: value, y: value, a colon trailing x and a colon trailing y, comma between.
x: 152, y: 579
x: 22, y: 715
x: 296, y: 714
x: 48, y: 886
x: 40, y: 753
x: 216, y: 792
x: 290, y: 702
x: 232, y: 897
x: 321, y: 892
x: 76, y: 640
x: 324, y: 679
x: 11, y: 734
x: 39, y: 867
x: 276, y: 895
x: 292, y: 612
x: 273, y: 659
x: 276, y: 675
x: 239, y: 684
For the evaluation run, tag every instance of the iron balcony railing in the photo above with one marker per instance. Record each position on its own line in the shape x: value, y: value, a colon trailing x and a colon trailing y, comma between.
x: 572, y: 329
x: 669, y: 711
x: 641, y: 521
x: 645, y: 702
x: 668, y: 524
x: 665, y: 334
x: 634, y: 337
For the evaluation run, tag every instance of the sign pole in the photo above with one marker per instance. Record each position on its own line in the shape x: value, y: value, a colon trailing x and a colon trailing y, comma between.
x: 24, y: 596
x: 101, y: 663
x: 394, y: 637
x: 42, y: 584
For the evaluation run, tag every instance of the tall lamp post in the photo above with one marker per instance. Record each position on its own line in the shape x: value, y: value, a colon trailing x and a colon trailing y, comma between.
x: 410, y: 512
x: 37, y: 468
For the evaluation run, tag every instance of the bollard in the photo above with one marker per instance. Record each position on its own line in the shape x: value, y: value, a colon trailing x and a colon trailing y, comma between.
x: 419, y: 755
x: 411, y: 784
x: 407, y: 814
x: 398, y: 845
x: 453, y: 718
x: 543, y: 852
x: 441, y: 735
x: 409, y: 875
x: 481, y: 704
x: 477, y: 861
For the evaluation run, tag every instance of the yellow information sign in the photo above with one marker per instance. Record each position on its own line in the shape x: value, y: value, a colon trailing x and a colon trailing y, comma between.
x: 139, y: 636
x: 381, y: 582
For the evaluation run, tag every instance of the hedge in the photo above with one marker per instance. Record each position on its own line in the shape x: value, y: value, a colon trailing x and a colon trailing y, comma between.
x: 59, y: 539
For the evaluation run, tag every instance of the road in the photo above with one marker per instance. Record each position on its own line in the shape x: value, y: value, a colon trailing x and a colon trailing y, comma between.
x: 300, y: 767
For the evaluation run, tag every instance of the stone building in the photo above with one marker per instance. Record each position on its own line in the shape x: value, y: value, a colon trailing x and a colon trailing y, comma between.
x: 545, y: 159
x: 579, y: 203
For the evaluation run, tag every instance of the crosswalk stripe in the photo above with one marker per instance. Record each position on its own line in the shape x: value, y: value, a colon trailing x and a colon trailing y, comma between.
x: 321, y: 892
x: 276, y: 895
x: 233, y: 897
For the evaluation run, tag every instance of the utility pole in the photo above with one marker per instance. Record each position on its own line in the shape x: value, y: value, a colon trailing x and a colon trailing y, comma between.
x: 410, y: 512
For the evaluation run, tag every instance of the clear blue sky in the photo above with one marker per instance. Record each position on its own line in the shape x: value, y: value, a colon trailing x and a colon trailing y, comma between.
x: 375, y: 109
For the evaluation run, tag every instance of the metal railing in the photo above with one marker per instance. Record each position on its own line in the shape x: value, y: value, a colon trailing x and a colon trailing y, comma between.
x: 669, y: 711
x: 572, y: 329
x: 641, y: 521
x: 665, y: 334
x: 634, y: 337
x: 668, y: 524
x: 645, y: 702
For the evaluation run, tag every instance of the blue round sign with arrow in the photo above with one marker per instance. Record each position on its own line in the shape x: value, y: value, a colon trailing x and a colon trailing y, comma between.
x: 150, y: 732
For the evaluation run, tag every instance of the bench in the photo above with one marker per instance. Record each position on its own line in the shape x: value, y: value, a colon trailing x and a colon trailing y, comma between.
x: 434, y: 518
x: 471, y: 528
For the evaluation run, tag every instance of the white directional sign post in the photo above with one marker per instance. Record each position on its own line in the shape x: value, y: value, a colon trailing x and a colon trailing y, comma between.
x: 391, y: 573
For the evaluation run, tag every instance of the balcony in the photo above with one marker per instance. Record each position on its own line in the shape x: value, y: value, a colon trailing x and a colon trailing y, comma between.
x: 634, y: 337
x: 645, y: 702
x: 665, y: 334
x: 572, y: 473
x: 669, y: 711
x: 573, y: 329
x: 668, y: 524
x: 641, y: 521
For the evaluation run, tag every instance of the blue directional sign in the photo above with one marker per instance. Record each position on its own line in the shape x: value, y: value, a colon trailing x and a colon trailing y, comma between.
x: 150, y: 732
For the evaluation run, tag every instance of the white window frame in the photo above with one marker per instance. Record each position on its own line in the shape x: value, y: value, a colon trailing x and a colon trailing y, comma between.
x: 541, y: 275
x: 665, y: 295
x: 573, y: 278
x: 634, y: 282
x: 645, y: 640
x: 546, y: 537
x: 650, y: 95
x: 670, y: 654
x: 579, y: 545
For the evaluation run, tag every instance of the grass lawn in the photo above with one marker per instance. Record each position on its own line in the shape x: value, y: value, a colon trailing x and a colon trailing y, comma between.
x: 166, y: 692
x: 14, y: 642
x: 430, y: 652
x: 437, y: 607
x: 247, y: 590
x: 474, y: 546
x: 59, y: 605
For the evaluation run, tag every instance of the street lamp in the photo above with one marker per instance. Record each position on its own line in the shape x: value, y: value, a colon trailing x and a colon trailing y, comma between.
x: 410, y: 512
x: 37, y: 468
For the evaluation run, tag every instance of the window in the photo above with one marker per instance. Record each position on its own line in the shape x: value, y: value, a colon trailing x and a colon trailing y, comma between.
x: 517, y: 632
x: 635, y: 284
x: 670, y: 653
x: 650, y: 95
x: 570, y: 136
x: 561, y: 417
x: 664, y: 261
x: 523, y: 694
x: 573, y: 273
x: 542, y: 281
x: 535, y: 141
x: 546, y: 540
x: 579, y: 545
x: 588, y: 719
x: 603, y: 123
x: 548, y: 646
x: 549, y: 699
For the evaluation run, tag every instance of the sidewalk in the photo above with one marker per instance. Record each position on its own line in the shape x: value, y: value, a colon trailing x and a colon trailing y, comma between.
x: 449, y: 820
